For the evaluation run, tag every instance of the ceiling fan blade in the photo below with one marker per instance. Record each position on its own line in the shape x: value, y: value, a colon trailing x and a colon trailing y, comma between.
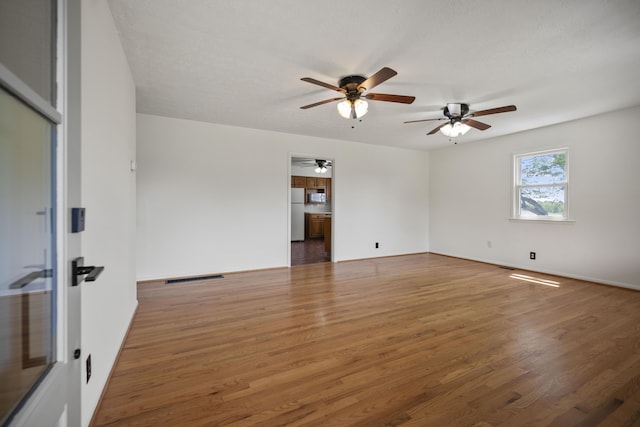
x: 476, y: 124
x: 438, y: 128
x: 323, y: 84
x: 381, y: 76
x: 425, y: 120
x: 326, y: 101
x: 504, y: 109
x: 390, y: 98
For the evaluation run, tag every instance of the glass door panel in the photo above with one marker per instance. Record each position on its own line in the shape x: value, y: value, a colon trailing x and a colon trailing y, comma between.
x: 27, y: 43
x: 27, y: 277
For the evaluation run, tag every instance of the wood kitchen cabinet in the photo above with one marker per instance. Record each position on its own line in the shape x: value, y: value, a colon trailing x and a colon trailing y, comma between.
x: 311, y: 182
x: 314, y: 226
x: 298, y: 181
x: 322, y: 185
x: 327, y: 235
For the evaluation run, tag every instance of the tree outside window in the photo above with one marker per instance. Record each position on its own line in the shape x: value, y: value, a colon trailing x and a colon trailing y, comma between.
x: 541, y: 185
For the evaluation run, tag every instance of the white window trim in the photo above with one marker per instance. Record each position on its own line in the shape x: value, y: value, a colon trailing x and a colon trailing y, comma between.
x: 515, y: 188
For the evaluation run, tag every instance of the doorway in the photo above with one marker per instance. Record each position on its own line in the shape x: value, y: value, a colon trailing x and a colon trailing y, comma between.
x: 311, y: 206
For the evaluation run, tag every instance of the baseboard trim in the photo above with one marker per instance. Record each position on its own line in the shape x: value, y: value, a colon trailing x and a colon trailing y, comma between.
x: 548, y: 272
x: 490, y: 262
x: 162, y: 281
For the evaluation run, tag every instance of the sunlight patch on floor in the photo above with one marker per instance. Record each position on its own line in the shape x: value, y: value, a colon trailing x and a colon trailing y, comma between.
x: 535, y: 280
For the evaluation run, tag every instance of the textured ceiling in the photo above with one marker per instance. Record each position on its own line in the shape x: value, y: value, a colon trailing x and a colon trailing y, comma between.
x: 239, y: 62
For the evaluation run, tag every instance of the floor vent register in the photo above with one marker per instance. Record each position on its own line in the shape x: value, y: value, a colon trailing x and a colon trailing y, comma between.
x: 193, y: 279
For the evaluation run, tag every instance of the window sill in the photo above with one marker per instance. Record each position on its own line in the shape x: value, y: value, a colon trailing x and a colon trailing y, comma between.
x: 546, y: 221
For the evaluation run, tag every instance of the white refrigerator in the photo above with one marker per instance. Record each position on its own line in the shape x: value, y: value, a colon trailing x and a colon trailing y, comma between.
x: 297, y: 214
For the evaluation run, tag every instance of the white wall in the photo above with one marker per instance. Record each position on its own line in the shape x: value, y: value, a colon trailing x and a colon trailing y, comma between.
x: 108, y: 194
x: 470, y: 198
x: 215, y: 198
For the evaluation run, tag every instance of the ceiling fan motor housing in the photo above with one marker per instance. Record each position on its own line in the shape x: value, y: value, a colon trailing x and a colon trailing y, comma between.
x: 456, y: 111
x: 350, y: 84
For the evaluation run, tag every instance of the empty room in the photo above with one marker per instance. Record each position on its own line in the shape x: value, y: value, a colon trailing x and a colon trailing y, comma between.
x: 283, y: 213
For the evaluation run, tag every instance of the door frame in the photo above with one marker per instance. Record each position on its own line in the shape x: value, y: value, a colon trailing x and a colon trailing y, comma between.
x: 291, y: 155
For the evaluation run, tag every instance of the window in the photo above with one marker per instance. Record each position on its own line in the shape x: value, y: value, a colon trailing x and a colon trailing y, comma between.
x: 541, y: 184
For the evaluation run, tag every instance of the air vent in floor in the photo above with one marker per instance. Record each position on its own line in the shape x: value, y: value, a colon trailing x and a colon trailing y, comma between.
x: 193, y: 279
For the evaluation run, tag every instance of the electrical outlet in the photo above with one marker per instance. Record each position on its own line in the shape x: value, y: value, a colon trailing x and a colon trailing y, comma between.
x: 377, y: 245
x: 489, y: 243
x: 532, y: 255
x: 88, y: 368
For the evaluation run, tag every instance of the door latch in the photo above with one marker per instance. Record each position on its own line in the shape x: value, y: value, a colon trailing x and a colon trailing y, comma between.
x: 80, y: 272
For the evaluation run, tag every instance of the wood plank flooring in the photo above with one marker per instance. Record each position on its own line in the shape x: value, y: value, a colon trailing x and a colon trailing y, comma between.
x: 309, y: 251
x: 419, y: 340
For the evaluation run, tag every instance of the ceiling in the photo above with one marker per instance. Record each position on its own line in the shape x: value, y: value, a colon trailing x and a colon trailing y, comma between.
x: 240, y: 62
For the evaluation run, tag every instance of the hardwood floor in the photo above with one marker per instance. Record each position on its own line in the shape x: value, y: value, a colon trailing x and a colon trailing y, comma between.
x: 309, y: 251
x: 419, y: 340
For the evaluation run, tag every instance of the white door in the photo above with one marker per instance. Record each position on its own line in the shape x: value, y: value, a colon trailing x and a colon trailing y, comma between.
x: 39, y: 182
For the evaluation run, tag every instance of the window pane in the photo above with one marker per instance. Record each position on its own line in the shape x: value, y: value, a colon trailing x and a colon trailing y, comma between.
x: 543, y: 169
x: 26, y: 250
x: 27, y: 43
x: 547, y: 202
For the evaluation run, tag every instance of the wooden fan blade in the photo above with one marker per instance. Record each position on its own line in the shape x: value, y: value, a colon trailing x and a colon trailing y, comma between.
x: 323, y: 84
x: 504, y: 109
x: 438, y: 128
x: 326, y: 101
x: 476, y: 124
x: 425, y: 120
x: 381, y: 76
x: 390, y: 98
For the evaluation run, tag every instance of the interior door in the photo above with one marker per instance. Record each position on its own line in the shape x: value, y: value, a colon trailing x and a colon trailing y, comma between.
x: 39, y: 174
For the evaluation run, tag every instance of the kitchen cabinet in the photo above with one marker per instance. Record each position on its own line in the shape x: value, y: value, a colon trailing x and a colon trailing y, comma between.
x: 298, y: 181
x: 314, y: 226
x: 327, y: 234
x: 311, y: 182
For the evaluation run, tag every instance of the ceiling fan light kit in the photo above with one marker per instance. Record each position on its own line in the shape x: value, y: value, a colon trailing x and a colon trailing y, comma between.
x: 322, y: 166
x: 356, y: 108
x: 457, y: 129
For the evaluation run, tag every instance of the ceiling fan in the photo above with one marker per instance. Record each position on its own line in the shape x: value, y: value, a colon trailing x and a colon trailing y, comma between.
x: 459, y: 119
x: 320, y: 165
x: 354, y: 88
